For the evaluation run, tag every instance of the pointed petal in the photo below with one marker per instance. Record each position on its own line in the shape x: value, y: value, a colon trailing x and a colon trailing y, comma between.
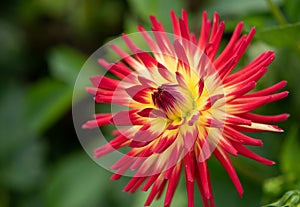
x: 101, y: 120
x: 225, y: 161
x: 248, y: 153
x: 127, y: 118
x: 238, y: 137
x: 264, y: 118
x: 100, y: 81
x: 173, y: 182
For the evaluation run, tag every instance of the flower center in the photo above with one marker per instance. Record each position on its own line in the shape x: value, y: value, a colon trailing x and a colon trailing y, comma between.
x: 175, y: 102
x: 164, y: 99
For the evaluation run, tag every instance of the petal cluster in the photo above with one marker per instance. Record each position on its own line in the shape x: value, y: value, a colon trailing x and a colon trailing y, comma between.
x: 183, y: 105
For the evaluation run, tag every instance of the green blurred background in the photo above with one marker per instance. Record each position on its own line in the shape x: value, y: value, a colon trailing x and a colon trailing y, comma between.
x: 43, y: 45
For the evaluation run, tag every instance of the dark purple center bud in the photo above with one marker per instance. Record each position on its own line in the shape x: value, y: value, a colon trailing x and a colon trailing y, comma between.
x: 166, y: 97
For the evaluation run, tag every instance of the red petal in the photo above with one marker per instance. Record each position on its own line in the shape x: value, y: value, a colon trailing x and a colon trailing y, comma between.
x: 127, y: 118
x: 158, y: 187
x: 248, y: 153
x: 269, y: 90
x: 140, y: 93
x: 127, y: 58
x: 211, y: 101
x: 101, y: 120
x: 183, y: 61
x: 180, y: 80
x: 164, y: 72
x: 173, y: 182
x: 205, y: 29
x: 115, y: 144
x: 225, y: 161
x: 146, y: 59
x: 205, y: 183
x: 118, y: 69
x: 215, y: 40
x: 100, y: 81
x: 236, y: 120
x: 241, y: 138
x: 165, y: 141
x: 189, y: 137
x: 175, y: 24
x: 185, y: 33
x: 228, y: 51
x: 265, y: 119
x: 240, y: 91
x: 227, y: 146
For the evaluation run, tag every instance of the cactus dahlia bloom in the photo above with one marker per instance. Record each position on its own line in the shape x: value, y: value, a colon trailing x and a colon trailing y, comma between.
x: 183, y: 105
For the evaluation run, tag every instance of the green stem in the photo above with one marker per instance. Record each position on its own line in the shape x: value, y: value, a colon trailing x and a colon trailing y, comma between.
x: 277, y: 13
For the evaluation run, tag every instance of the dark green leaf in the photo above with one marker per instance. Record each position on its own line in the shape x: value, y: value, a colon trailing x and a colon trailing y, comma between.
x: 282, y: 36
x: 24, y: 170
x: 238, y: 7
x: 158, y: 8
x: 292, y: 9
x: 65, y: 64
x: 289, y: 199
x: 4, y: 198
x: 290, y: 154
x: 77, y: 181
x: 74, y: 182
x: 47, y: 101
x: 14, y: 132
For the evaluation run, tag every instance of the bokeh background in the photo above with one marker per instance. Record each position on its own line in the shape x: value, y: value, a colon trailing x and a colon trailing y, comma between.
x: 43, y: 45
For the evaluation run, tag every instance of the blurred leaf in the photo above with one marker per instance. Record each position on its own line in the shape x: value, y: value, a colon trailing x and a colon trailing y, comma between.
x: 14, y: 132
x: 56, y: 8
x: 292, y: 9
x: 12, y: 48
x: 77, y: 181
x: 21, y: 154
x: 238, y: 7
x: 130, y: 25
x: 28, y: 160
x: 4, y: 198
x: 289, y: 199
x: 65, y: 63
x: 290, y: 154
x: 160, y: 9
x: 282, y: 36
x: 274, y: 186
x: 258, y: 20
x: 47, y: 101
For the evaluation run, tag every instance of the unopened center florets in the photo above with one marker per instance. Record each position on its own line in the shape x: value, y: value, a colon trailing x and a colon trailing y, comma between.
x: 173, y: 101
x: 163, y: 99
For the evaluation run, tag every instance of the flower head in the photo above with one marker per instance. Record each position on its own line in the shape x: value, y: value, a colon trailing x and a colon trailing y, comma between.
x: 183, y: 105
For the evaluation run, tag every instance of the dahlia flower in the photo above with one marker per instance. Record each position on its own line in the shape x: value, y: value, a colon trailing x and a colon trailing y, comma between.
x: 181, y: 104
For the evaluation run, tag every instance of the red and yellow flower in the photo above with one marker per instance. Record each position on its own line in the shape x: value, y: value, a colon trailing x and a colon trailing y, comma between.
x: 183, y: 105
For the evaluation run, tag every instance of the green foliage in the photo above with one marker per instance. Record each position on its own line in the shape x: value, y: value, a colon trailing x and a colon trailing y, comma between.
x: 22, y: 155
x: 290, y: 154
x: 292, y: 9
x: 47, y: 101
x: 49, y: 98
x: 288, y: 36
x: 239, y: 8
x: 160, y: 9
x: 77, y: 181
x: 65, y: 64
x: 289, y: 199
